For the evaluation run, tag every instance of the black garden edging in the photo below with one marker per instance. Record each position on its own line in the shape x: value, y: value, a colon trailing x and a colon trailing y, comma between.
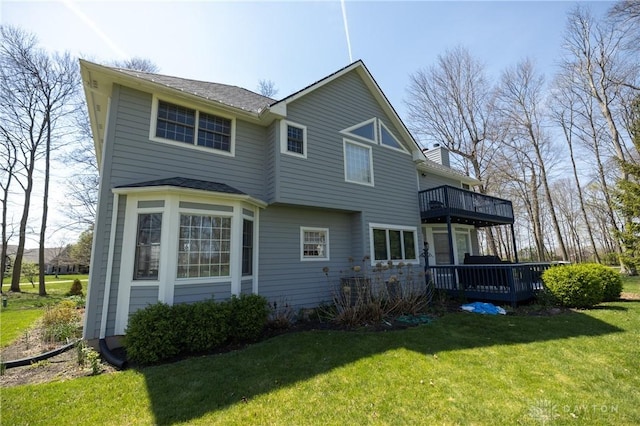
x: 28, y: 361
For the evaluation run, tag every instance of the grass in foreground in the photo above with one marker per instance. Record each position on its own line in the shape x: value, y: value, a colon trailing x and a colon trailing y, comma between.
x: 579, y: 367
x: 23, y: 309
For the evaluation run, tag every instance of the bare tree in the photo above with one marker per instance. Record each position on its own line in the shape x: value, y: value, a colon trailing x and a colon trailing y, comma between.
x: 595, y: 51
x: 83, y: 187
x: 8, y: 163
x: 138, y: 64
x: 35, y: 92
x: 566, y: 113
x: 520, y: 98
x: 450, y: 103
x: 267, y: 88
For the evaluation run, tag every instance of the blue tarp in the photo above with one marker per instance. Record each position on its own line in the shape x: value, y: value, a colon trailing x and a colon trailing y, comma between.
x: 483, y: 308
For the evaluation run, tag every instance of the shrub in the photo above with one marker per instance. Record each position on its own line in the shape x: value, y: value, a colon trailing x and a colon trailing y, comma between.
x: 152, y: 334
x: 248, y: 316
x: 206, y: 326
x: 574, y: 286
x: 611, y: 282
x: 76, y: 288
x: 160, y: 331
x: 61, y: 322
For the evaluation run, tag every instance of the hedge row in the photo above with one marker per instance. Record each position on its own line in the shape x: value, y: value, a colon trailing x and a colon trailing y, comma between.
x: 159, y: 332
x: 582, y: 285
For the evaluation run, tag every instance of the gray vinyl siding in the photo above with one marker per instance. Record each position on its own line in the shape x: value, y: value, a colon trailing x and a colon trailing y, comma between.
x: 284, y: 278
x: 272, y: 150
x: 189, y: 293
x: 142, y: 296
x: 432, y: 180
x: 246, y: 286
x: 319, y: 179
x: 136, y: 158
x: 101, y: 234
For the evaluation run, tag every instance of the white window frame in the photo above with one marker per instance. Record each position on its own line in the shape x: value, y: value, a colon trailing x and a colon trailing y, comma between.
x: 348, y: 131
x: 284, y: 138
x: 303, y: 230
x: 154, y: 122
x: 167, y: 281
x: 232, y: 244
x: 382, y: 125
x: 346, y: 163
x: 387, y: 228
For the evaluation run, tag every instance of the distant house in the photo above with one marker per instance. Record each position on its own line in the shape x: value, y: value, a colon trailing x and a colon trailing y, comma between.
x: 209, y: 190
x: 57, y: 259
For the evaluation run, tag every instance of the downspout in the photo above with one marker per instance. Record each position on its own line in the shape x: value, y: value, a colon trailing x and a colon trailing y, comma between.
x: 104, y: 348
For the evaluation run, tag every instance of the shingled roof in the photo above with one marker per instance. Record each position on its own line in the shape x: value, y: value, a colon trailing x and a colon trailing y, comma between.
x: 233, y: 96
x: 182, y: 182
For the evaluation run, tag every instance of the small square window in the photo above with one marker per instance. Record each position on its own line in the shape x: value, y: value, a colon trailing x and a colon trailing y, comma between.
x: 293, y: 139
x: 314, y: 244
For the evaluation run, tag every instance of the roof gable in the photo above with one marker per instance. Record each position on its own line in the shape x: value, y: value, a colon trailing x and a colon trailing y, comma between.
x: 358, y: 67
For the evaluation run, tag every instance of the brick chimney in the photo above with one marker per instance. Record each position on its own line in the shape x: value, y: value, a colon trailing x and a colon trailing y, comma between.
x: 438, y: 154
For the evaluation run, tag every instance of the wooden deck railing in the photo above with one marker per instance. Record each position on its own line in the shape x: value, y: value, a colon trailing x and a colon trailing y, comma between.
x: 501, y: 282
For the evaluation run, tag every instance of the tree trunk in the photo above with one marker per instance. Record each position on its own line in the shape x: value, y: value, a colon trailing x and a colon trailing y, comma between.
x: 22, y: 233
x: 42, y: 290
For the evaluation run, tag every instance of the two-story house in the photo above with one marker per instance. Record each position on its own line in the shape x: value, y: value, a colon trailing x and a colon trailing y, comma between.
x: 209, y: 190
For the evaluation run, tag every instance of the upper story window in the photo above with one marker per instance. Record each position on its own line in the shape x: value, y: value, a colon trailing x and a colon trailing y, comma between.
x: 365, y: 130
x: 178, y: 123
x: 175, y: 122
x: 293, y: 139
x: 214, y: 132
x: 374, y: 131
x: 387, y: 138
x: 358, y: 163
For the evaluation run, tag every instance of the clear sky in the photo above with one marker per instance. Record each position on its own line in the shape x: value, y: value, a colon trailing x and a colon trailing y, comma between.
x: 297, y: 43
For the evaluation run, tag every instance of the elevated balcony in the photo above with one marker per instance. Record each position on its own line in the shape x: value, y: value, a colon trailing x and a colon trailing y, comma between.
x: 461, y: 206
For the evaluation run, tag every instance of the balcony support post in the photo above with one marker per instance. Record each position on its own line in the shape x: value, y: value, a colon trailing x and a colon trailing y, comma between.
x: 515, y: 247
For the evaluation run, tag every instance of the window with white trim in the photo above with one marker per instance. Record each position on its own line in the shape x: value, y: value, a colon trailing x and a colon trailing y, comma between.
x: 293, y: 139
x: 358, y: 163
x: 147, y: 256
x: 393, y: 243
x: 314, y: 243
x: 178, y: 123
x: 365, y: 130
x: 204, y: 246
x: 387, y: 138
x: 247, y: 247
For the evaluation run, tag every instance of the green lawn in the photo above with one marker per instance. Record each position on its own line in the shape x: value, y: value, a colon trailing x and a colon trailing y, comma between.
x: 631, y: 284
x: 573, y: 368
x: 23, y: 309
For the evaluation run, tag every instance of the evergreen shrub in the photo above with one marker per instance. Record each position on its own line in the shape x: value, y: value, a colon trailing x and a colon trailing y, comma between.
x: 575, y: 286
x: 249, y: 314
x: 159, y: 332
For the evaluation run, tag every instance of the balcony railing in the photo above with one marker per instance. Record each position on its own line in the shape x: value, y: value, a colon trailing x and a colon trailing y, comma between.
x: 483, y: 210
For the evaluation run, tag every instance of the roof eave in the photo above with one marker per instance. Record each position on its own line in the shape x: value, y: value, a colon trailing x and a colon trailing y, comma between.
x: 170, y: 189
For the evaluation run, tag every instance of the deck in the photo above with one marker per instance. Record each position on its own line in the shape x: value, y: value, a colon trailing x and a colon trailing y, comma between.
x: 463, y: 206
x: 511, y: 283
